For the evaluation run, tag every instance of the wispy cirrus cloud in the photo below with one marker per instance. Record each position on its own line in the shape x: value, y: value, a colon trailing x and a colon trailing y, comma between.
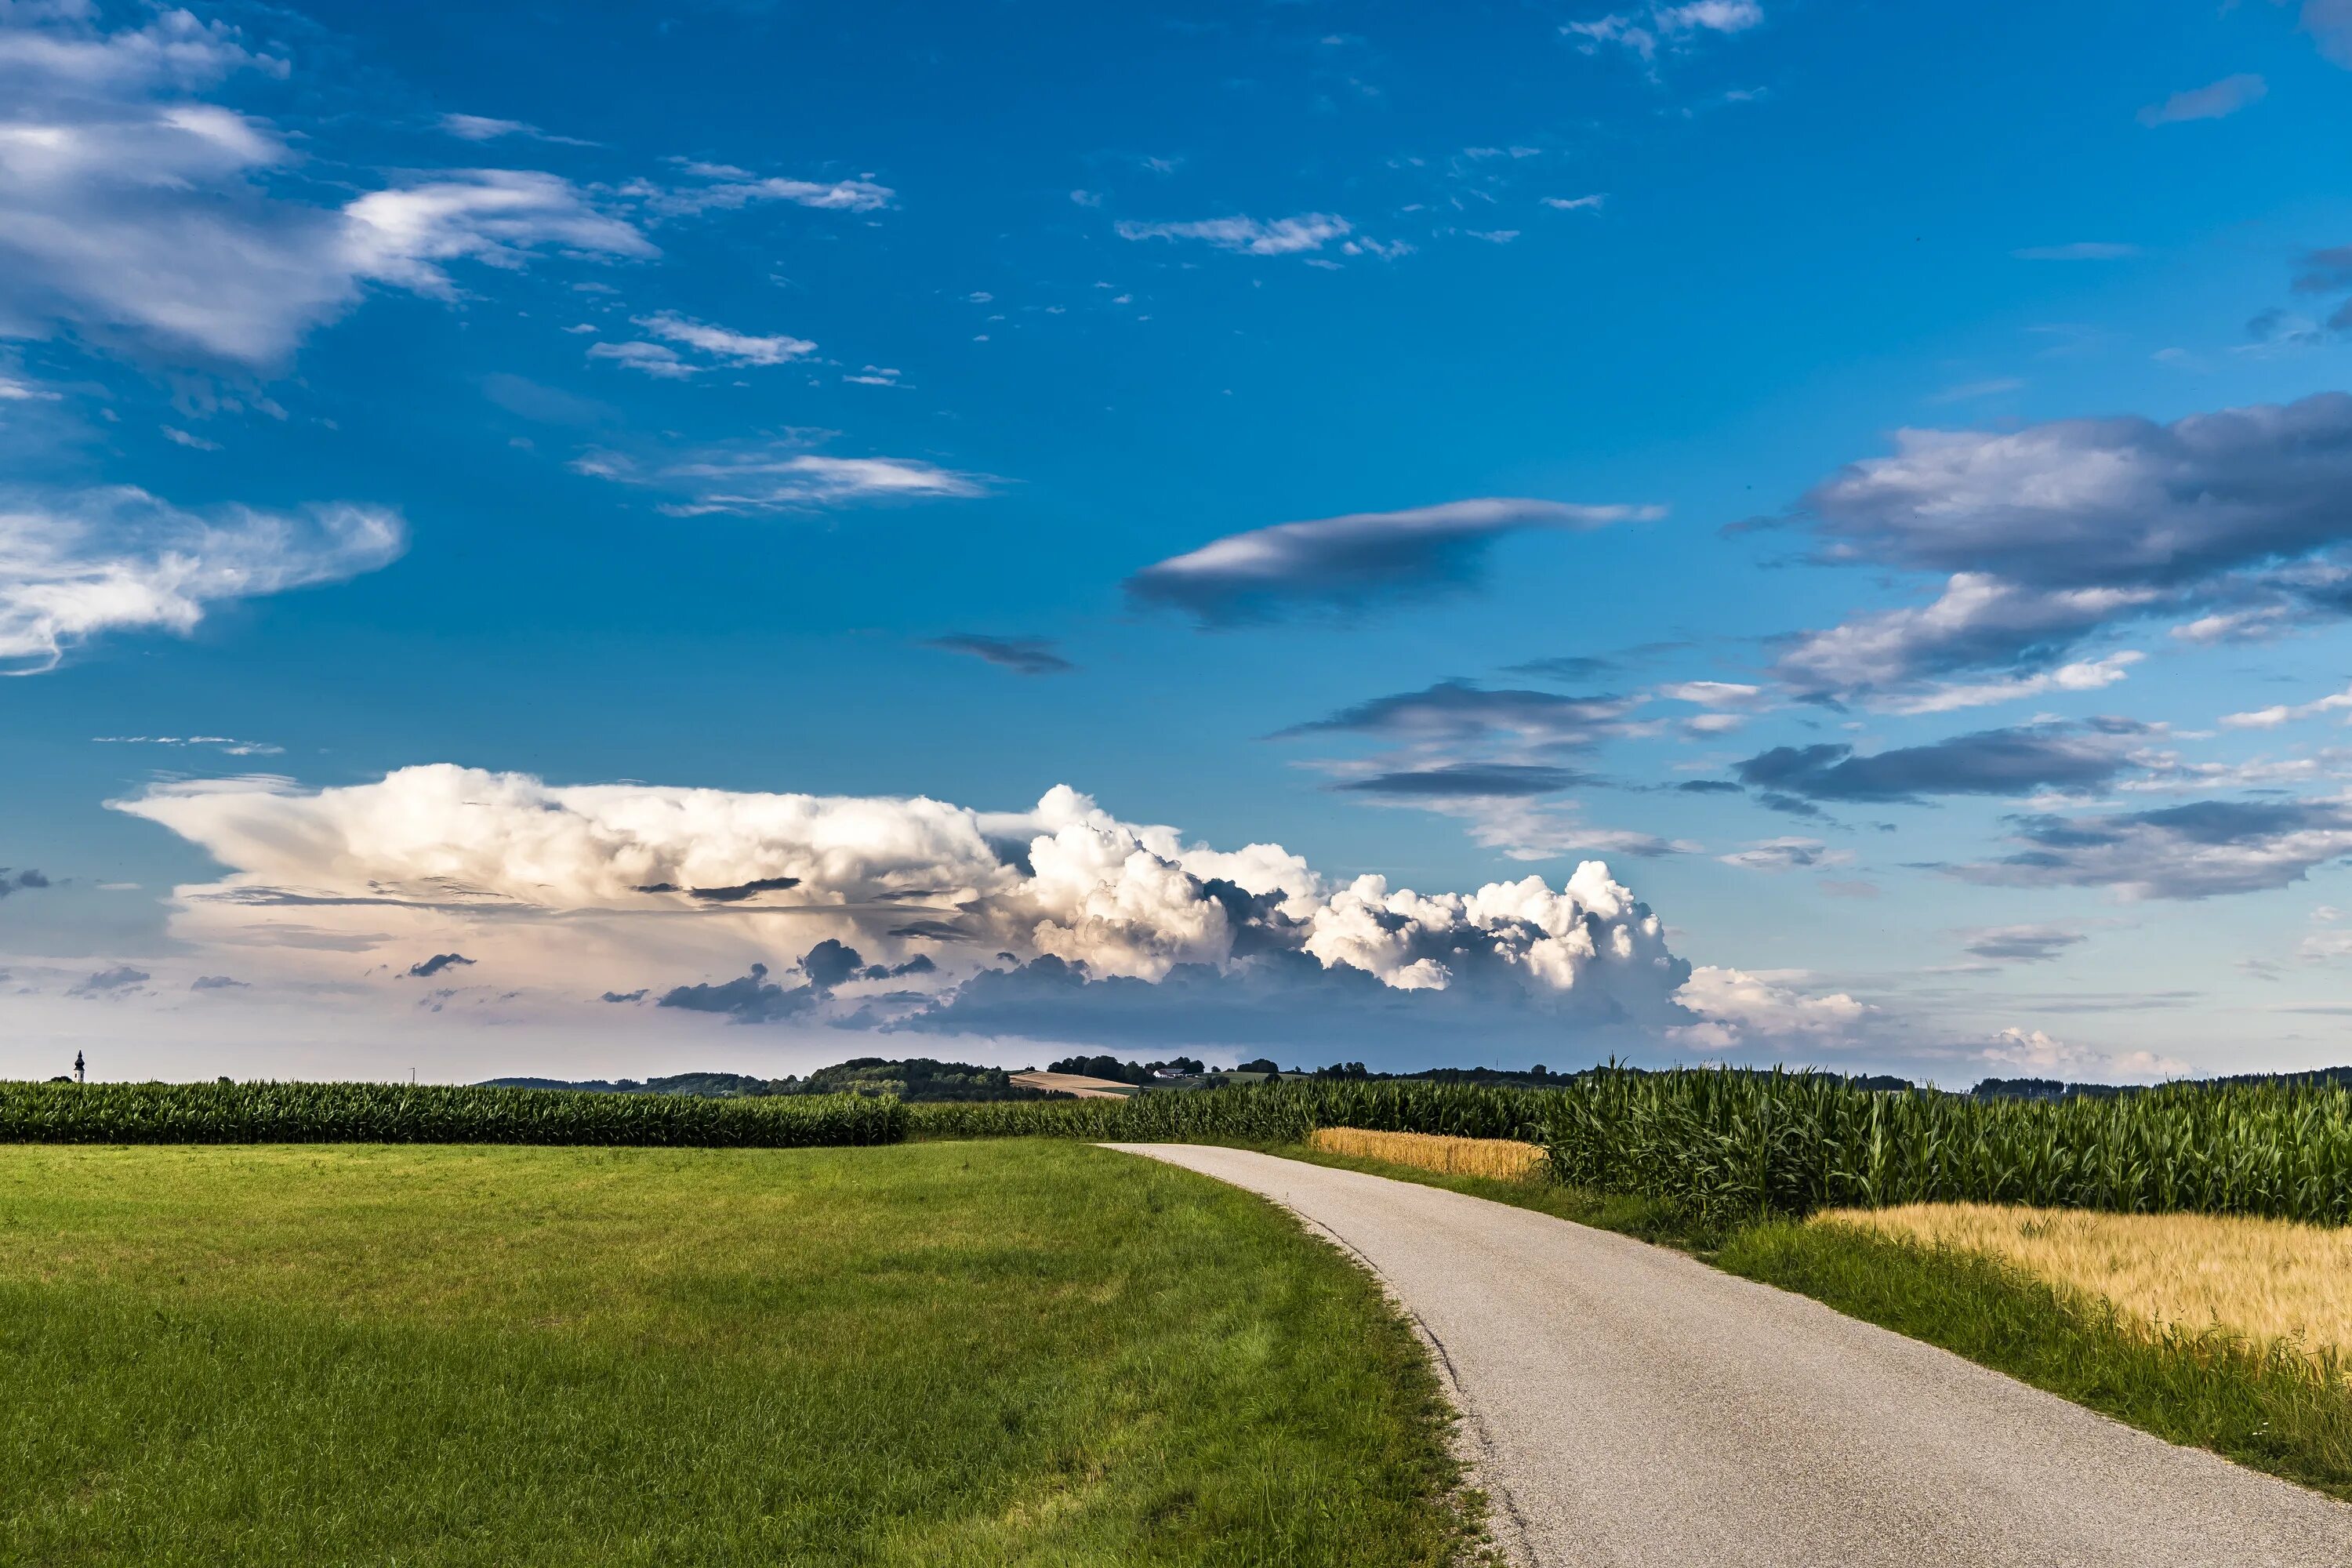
x: 134, y: 213
x: 2215, y: 100
x: 1352, y: 563
x: 751, y: 477
x: 1662, y: 27
x: 77, y: 565
x: 722, y: 187
x: 1246, y: 236
x: 720, y: 346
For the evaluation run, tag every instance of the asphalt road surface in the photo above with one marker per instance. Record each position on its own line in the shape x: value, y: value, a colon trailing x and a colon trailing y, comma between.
x: 1627, y: 1405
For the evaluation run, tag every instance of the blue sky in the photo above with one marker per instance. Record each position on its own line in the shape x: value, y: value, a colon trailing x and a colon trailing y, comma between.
x: 622, y: 497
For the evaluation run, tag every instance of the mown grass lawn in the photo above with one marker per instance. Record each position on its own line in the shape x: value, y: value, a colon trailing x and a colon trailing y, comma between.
x: 943, y: 1353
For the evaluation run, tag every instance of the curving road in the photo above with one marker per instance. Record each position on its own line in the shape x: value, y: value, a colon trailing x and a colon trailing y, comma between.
x: 1627, y: 1405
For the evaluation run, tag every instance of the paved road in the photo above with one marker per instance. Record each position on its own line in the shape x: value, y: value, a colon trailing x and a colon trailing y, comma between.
x: 1629, y: 1407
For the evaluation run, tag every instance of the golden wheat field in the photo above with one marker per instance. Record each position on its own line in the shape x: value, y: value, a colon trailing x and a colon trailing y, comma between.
x: 1503, y: 1158
x: 2264, y: 1279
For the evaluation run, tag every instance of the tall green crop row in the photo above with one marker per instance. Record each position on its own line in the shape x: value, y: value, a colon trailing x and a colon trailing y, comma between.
x: 1271, y: 1115
x: 1728, y: 1142
x: 409, y: 1113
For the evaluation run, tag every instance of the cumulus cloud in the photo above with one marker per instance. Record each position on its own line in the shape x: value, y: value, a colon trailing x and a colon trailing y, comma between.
x: 1022, y: 655
x: 749, y: 478
x: 74, y: 566
x: 2023, y: 943
x: 1246, y: 236
x: 1351, y: 563
x: 129, y: 210
x: 2199, y: 850
x: 1738, y: 1010
x: 1992, y: 762
x: 17, y: 881
x: 2215, y: 100
x: 2045, y: 1056
x: 2057, y: 531
x: 558, y: 884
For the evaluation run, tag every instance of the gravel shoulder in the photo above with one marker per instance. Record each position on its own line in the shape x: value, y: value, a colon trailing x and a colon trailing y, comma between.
x: 1631, y: 1406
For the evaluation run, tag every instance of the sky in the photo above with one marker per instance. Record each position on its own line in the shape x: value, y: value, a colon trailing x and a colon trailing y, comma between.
x: 604, y: 540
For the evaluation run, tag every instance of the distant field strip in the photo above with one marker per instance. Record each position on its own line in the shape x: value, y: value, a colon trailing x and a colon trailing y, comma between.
x: 2265, y: 1279
x: 1503, y: 1159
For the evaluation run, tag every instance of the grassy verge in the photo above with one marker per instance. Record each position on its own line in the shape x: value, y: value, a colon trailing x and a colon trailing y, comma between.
x: 1011, y: 1354
x: 2268, y: 1408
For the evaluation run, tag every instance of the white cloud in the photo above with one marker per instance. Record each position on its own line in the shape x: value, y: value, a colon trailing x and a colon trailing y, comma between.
x: 1788, y: 855
x: 125, y: 213
x: 2039, y: 1054
x: 2083, y: 675
x: 1740, y: 1010
x: 1665, y: 26
x: 753, y: 477
x: 1577, y: 204
x: 724, y: 345
x: 1284, y: 237
x: 575, y: 888
x: 76, y: 566
x: 2272, y: 717
x: 492, y: 216
x: 1978, y: 619
x: 2329, y: 23
x: 2199, y: 849
x: 1712, y: 693
x: 2214, y: 101
x: 482, y: 128
x: 649, y: 359
x: 735, y: 189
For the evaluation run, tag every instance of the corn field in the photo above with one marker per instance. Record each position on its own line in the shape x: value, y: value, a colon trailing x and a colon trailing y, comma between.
x: 409, y: 1113
x: 1714, y: 1142
x: 1266, y: 1114
x: 1729, y: 1144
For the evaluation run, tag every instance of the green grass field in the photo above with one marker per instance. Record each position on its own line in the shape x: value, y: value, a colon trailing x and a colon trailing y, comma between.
x: 1013, y: 1352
